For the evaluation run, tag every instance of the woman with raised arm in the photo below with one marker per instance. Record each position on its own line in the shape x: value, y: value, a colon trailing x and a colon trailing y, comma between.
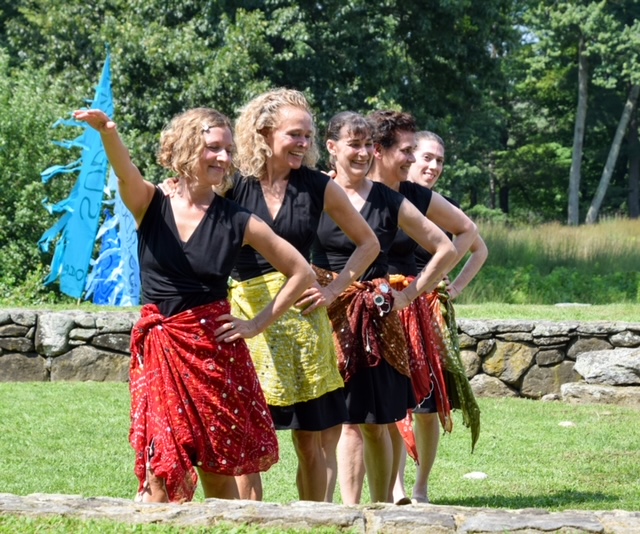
x: 196, y: 401
x: 371, y: 345
x: 295, y: 357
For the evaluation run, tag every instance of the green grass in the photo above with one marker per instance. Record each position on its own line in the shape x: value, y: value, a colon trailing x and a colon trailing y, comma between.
x: 71, y: 438
x: 626, y: 312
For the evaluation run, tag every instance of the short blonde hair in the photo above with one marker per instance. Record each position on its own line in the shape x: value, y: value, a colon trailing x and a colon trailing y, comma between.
x: 263, y: 113
x: 182, y: 142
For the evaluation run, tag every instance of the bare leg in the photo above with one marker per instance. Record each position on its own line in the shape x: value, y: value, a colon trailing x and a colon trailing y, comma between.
x: 218, y: 486
x: 155, y: 489
x: 311, y: 478
x: 249, y: 487
x: 427, y: 431
x: 351, y: 464
x: 397, y: 493
x: 329, y: 439
x: 378, y: 460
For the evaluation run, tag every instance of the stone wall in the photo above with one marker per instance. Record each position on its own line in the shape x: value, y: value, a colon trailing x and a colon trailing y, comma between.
x: 502, y: 358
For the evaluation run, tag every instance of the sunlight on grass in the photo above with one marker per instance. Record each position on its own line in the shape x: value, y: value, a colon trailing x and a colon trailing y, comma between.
x: 71, y: 438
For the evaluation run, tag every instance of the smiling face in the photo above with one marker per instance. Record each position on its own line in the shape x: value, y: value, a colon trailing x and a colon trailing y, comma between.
x: 215, y: 159
x: 291, y: 138
x: 351, y: 153
x: 394, y: 162
x: 429, y: 163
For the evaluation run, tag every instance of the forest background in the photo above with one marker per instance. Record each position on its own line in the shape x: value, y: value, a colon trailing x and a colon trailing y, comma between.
x: 536, y: 101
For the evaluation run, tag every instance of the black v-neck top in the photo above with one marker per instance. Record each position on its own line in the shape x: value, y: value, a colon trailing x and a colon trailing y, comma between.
x: 177, y: 275
x: 402, y: 258
x: 296, y: 221
x: 332, y: 248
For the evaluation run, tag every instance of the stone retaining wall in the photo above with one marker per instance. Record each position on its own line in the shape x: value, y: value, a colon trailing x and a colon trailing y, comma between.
x: 502, y: 358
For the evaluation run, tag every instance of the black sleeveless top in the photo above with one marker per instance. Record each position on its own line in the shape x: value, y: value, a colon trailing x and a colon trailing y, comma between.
x: 296, y: 222
x: 402, y: 253
x: 424, y: 256
x: 332, y: 248
x: 177, y: 276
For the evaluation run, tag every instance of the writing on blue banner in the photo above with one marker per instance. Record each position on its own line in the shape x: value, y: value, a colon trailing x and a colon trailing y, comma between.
x: 80, y: 213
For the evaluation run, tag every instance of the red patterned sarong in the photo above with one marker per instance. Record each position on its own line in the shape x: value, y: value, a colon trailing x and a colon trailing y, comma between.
x: 195, y: 402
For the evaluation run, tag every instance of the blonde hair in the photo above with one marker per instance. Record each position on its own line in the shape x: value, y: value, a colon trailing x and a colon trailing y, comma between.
x: 182, y: 142
x: 262, y: 113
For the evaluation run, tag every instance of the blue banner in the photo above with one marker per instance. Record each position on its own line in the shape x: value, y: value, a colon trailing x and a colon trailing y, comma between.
x: 80, y: 212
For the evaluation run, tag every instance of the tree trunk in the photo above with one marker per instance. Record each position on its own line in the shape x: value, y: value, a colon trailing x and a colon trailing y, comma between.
x: 592, y: 214
x: 504, y: 199
x: 573, y: 212
x: 634, y: 165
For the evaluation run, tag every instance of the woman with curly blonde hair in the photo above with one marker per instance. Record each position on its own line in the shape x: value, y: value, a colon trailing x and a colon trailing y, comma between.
x: 196, y: 402
x: 295, y: 358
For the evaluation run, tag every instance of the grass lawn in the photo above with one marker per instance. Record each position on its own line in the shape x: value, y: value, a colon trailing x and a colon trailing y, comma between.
x: 71, y: 438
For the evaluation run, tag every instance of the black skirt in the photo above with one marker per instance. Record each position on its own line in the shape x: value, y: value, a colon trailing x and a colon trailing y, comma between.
x: 314, y: 415
x: 378, y: 395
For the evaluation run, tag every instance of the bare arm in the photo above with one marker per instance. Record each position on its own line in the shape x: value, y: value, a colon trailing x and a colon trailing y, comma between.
x: 286, y: 259
x: 339, y: 208
x: 430, y: 237
x: 454, y: 221
x: 135, y: 191
x: 479, y: 253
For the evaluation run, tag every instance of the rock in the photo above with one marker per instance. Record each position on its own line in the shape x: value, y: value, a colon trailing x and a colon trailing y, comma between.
x: 25, y: 317
x: 516, y: 336
x: 587, y: 344
x: 119, y: 342
x: 472, y: 363
x: 88, y: 363
x: 582, y: 393
x: 23, y: 368
x: 477, y: 329
x: 13, y: 330
x: 52, y: 333
x: 82, y: 334
x: 485, y: 346
x: 466, y: 342
x: 625, y: 339
x: 116, y: 322
x: 618, y: 367
x: 509, y: 361
x: 549, y: 341
x: 16, y: 344
x: 489, y: 386
x: 546, y: 358
x: 540, y: 381
x: 531, y: 521
x: 548, y: 329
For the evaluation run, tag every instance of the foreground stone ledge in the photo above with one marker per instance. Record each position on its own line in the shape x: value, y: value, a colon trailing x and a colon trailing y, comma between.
x: 307, y: 516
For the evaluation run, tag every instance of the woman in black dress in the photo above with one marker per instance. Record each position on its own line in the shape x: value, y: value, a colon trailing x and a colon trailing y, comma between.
x: 295, y: 357
x: 196, y: 403
x: 368, y: 333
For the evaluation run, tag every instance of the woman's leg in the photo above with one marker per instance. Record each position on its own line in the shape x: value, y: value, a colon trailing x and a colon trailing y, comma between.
x: 397, y: 493
x: 311, y: 477
x: 217, y: 486
x: 351, y: 464
x: 249, y: 486
x: 378, y: 460
x: 427, y: 432
x: 155, y: 489
x: 329, y: 439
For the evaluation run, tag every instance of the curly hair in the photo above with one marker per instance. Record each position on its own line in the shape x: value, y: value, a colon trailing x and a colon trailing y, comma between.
x: 386, y: 125
x: 262, y: 113
x: 182, y: 142
x: 357, y: 126
x: 426, y: 135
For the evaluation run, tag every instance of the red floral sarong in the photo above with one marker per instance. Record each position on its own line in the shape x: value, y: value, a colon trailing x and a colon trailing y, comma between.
x: 194, y: 402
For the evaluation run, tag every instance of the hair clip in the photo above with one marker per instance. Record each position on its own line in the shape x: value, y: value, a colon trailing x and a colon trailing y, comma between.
x: 205, y: 127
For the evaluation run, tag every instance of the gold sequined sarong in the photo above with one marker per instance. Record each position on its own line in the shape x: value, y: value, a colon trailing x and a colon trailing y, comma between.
x: 295, y: 358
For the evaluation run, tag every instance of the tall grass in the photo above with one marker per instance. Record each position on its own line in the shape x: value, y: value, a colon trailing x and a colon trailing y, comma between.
x: 550, y: 263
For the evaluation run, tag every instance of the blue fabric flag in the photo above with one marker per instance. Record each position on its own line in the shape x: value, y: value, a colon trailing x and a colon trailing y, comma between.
x: 78, y: 224
x: 115, y: 277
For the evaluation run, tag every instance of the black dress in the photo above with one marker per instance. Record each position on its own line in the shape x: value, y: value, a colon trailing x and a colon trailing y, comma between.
x: 374, y: 395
